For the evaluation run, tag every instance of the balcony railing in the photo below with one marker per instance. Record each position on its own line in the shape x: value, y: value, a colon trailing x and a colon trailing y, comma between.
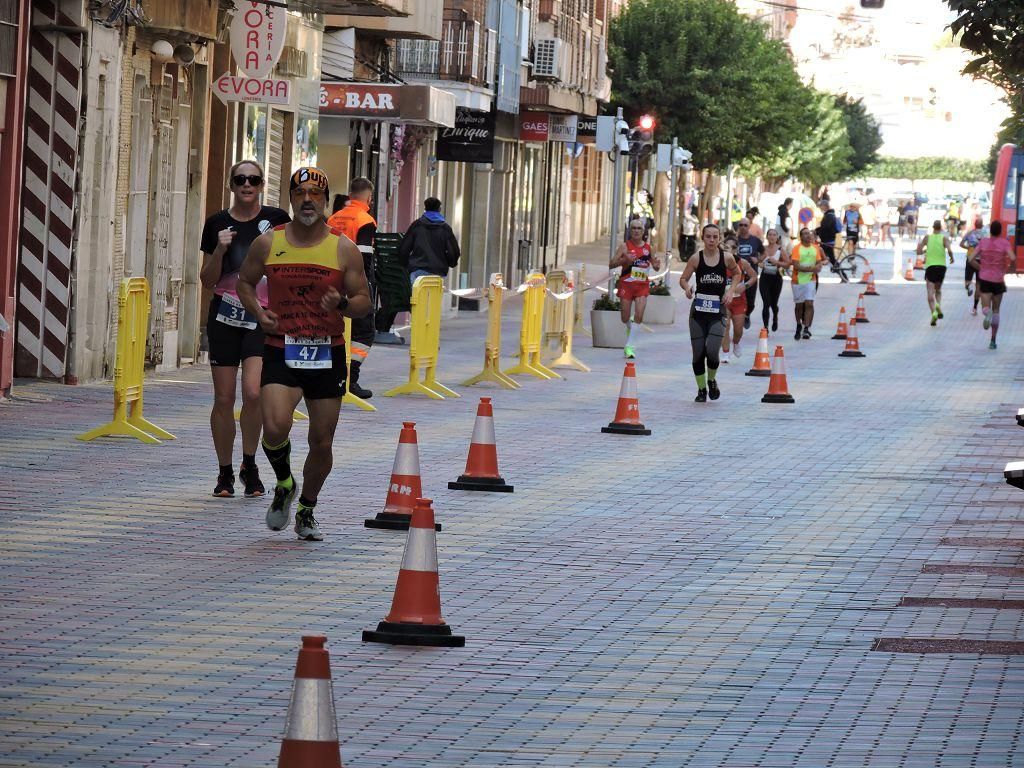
x: 465, y: 53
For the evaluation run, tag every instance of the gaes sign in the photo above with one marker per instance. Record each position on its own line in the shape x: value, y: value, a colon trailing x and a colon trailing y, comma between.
x: 257, y: 36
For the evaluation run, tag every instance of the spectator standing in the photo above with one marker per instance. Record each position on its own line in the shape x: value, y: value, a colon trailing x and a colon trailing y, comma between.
x: 429, y: 246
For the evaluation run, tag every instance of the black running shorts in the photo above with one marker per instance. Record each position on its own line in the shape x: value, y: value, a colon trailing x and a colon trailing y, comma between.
x: 935, y: 274
x: 315, y: 383
x: 228, y: 344
x: 987, y: 286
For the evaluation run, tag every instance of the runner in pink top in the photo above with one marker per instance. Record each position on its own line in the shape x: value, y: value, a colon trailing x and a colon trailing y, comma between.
x: 992, y: 257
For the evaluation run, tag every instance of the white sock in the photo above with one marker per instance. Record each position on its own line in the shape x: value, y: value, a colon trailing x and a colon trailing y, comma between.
x: 631, y: 337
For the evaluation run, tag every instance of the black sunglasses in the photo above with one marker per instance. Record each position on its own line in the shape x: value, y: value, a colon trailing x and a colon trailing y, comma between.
x: 240, y: 179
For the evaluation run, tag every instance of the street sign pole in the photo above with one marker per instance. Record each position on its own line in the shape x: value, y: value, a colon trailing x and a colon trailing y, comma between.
x: 613, y: 225
x: 670, y: 234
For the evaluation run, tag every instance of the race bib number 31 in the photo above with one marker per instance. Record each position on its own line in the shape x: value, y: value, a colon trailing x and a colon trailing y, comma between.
x: 231, y: 312
x: 306, y: 352
x: 705, y: 302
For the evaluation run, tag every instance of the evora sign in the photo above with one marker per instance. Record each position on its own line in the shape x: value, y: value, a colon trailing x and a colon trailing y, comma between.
x: 253, y: 90
x: 257, y: 36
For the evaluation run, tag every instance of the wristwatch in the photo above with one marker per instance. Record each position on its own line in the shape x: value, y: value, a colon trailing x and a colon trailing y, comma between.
x: 343, y: 303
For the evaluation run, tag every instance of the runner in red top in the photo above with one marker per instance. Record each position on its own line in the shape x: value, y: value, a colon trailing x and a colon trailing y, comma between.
x: 637, y: 259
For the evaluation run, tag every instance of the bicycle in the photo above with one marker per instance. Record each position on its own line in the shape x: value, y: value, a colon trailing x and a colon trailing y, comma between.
x: 852, y: 265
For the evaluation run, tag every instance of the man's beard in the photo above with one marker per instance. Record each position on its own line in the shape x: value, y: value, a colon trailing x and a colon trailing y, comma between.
x: 308, y: 217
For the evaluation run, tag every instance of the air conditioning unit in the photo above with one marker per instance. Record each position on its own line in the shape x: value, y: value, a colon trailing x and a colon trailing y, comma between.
x: 547, y: 58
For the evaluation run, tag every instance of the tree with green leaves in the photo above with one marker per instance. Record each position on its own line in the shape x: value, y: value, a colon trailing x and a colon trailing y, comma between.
x: 952, y: 169
x: 993, y: 30
x: 864, y: 133
x: 817, y: 154
x: 709, y: 74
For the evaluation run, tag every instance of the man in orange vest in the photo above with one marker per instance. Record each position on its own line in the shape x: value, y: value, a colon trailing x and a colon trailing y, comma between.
x: 355, y: 222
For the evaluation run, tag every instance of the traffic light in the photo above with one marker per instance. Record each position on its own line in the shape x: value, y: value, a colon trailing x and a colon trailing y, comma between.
x: 872, y: 3
x: 932, y: 96
x: 641, y: 137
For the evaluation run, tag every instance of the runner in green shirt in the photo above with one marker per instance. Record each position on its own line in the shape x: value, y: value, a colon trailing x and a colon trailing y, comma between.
x: 935, y: 246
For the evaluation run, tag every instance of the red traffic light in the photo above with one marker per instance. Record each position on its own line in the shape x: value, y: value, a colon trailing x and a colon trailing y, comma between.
x: 646, y: 122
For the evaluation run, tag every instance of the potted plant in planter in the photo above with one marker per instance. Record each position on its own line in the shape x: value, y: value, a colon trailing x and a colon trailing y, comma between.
x: 606, y: 326
x: 661, y: 307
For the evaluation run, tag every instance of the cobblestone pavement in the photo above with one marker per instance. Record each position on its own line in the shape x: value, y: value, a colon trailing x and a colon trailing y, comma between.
x: 707, y: 596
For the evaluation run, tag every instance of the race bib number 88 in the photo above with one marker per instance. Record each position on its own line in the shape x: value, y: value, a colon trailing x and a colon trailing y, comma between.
x: 705, y: 302
x: 307, y: 352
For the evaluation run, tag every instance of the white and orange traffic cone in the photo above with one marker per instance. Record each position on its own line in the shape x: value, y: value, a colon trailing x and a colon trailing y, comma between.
x: 482, y: 464
x: 861, y: 316
x: 778, y: 387
x: 627, y: 410
x: 405, y: 485
x: 909, y: 274
x: 841, y: 326
x: 871, y: 290
x: 762, y: 361
x: 852, y: 344
x: 311, y: 730
x: 415, y: 617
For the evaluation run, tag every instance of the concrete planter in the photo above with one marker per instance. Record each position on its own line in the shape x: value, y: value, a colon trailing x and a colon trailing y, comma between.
x: 661, y: 310
x: 607, y: 328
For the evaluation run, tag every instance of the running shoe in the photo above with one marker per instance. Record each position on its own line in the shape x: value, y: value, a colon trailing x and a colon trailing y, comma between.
x: 713, y: 391
x: 775, y: 323
x: 225, y: 488
x: 935, y: 318
x: 280, y: 511
x: 938, y: 311
x: 970, y: 289
x: 306, y: 527
x: 702, y: 396
x: 250, y: 476
x: 987, y: 322
x: 974, y: 310
x: 736, y: 351
x: 629, y: 353
x: 799, y: 332
x: 807, y: 333
x: 746, y: 322
x: 992, y: 344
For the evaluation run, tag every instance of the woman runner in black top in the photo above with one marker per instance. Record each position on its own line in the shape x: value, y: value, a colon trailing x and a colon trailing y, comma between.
x: 233, y: 335
x: 707, y: 312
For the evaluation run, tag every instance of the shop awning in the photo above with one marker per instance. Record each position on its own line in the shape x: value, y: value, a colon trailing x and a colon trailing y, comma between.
x: 389, y: 102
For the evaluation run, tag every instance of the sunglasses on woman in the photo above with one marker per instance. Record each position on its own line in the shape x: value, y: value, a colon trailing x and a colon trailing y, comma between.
x: 241, y: 178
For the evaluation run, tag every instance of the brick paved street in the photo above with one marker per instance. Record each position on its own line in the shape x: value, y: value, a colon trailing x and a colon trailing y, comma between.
x: 707, y: 596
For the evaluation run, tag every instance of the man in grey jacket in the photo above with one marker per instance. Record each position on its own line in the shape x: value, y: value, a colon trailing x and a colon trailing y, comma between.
x: 429, y: 246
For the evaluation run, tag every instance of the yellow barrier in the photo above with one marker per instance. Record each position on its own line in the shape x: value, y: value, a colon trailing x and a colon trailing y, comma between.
x: 129, y: 362
x: 348, y: 397
x: 559, y: 319
x: 425, y: 341
x: 492, y: 345
x: 531, y: 331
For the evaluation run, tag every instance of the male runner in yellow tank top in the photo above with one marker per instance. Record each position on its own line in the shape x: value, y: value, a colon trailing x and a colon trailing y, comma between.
x: 314, y: 277
x: 935, y: 247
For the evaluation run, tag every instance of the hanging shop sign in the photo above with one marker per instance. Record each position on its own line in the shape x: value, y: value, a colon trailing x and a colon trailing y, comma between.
x: 533, y: 126
x: 562, y: 128
x: 586, y: 129
x: 380, y: 100
x: 471, y: 140
x: 253, y: 90
x: 257, y: 35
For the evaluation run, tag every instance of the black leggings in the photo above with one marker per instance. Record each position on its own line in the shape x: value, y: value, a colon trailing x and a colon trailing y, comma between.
x: 706, y: 334
x: 770, y: 287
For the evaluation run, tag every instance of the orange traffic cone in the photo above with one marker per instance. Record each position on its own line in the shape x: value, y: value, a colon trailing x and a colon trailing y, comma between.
x: 415, y: 617
x: 861, y: 316
x: 482, y: 465
x: 841, y: 326
x: 871, y: 291
x: 852, y: 345
x: 909, y: 274
x: 311, y: 730
x: 778, y: 387
x: 405, y: 486
x: 627, y: 411
x: 864, y: 276
x: 762, y: 362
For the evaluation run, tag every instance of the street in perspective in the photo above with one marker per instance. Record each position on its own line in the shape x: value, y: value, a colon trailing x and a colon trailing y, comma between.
x: 512, y: 383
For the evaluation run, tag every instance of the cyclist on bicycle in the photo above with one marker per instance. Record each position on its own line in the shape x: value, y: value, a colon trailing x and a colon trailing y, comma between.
x: 852, y: 222
x: 827, y: 231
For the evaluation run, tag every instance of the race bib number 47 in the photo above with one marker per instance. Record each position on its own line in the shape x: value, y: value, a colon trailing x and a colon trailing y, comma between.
x: 704, y: 302
x: 307, y: 352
